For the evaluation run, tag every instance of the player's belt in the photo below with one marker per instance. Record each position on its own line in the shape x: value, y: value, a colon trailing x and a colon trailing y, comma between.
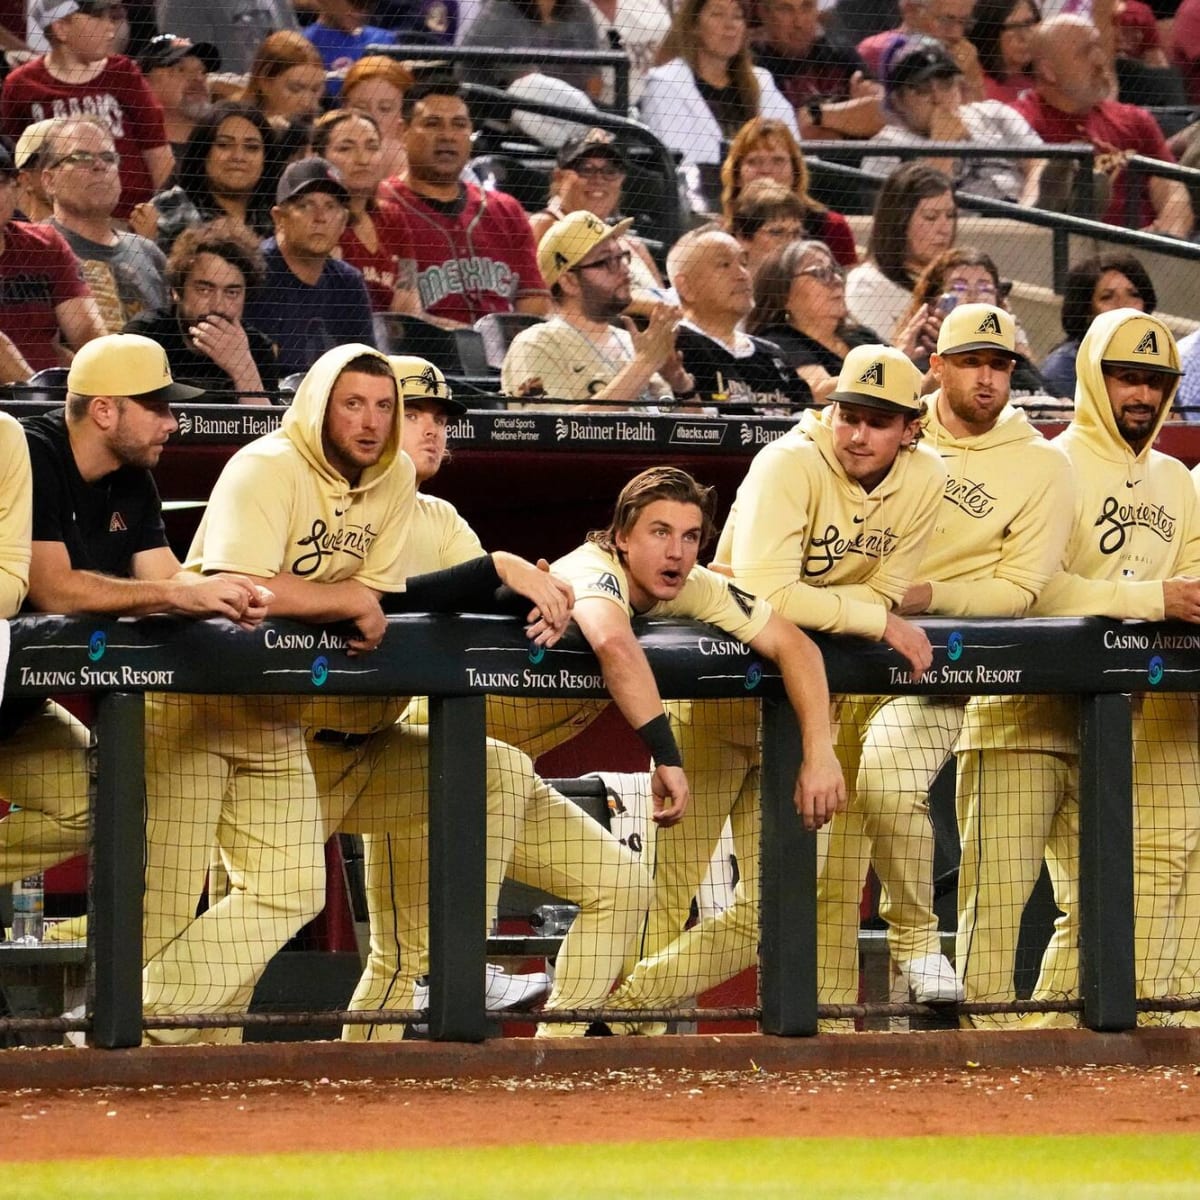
x: 336, y: 737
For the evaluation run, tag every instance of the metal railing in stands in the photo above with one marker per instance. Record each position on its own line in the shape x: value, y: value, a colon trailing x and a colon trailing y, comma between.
x: 480, y: 56
x: 1061, y: 225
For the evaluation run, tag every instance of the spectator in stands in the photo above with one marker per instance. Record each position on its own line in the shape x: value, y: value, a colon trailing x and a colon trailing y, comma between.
x: 310, y: 301
x: 637, y: 27
x: 211, y: 270
x: 1185, y: 46
x: 287, y: 79
x: 553, y: 25
x: 925, y: 106
x: 30, y: 158
x: 236, y: 29
x: 963, y: 275
x: 766, y: 216
x: 225, y: 171
x: 915, y: 220
x: 177, y: 71
x: 588, y: 176
x: 1069, y: 102
x: 800, y: 306
x: 579, y: 354
x: 376, y: 85
x: 1114, y: 279
x: 706, y: 87
x: 341, y: 35
x: 125, y: 271
x: 946, y: 20
x: 732, y: 369
x: 376, y: 237
x: 81, y: 74
x: 1001, y: 34
x: 473, y: 250
x: 767, y: 149
x: 45, y: 305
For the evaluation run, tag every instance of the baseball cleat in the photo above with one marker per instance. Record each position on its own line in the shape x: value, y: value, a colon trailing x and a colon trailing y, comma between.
x: 931, y: 980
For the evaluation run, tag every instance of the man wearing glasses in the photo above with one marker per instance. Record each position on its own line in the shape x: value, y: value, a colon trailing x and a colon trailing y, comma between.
x: 81, y: 74
x: 579, y: 355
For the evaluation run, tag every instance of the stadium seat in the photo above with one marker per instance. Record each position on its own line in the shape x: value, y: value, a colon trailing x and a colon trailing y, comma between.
x: 497, y: 331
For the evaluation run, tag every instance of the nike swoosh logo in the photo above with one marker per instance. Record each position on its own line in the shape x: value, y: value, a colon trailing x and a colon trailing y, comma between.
x: 859, y: 520
x: 1133, y: 484
x: 577, y: 369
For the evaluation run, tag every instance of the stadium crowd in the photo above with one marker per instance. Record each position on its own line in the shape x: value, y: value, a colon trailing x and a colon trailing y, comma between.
x: 216, y: 215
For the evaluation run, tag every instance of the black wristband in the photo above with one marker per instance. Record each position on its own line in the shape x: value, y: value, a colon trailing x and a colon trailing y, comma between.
x: 815, y: 114
x: 690, y: 394
x: 657, y: 737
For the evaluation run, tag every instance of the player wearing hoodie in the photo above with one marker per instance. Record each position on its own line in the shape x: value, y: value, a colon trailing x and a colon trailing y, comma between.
x: 1135, y: 540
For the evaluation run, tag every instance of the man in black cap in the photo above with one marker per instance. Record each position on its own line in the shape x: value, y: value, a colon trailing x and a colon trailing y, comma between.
x: 924, y: 105
x: 310, y: 301
x: 177, y: 71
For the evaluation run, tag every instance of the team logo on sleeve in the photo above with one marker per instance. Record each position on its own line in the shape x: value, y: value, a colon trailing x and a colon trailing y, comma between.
x: 744, y: 600
x: 608, y: 583
x: 990, y: 324
x: 1148, y: 344
x: 873, y: 375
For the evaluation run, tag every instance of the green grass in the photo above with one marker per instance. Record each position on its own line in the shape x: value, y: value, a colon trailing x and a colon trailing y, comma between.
x: 1127, y: 1167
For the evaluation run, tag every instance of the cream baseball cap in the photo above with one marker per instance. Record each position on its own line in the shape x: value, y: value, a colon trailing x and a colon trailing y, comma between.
x: 569, y: 241
x: 32, y: 141
x: 126, y: 364
x: 978, y: 327
x: 419, y: 379
x: 879, y: 377
x: 1145, y: 343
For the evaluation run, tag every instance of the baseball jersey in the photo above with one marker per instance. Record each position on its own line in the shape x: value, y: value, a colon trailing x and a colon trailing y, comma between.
x: 827, y: 554
x: 473, y: 256
x: 119, y: 96
x: 38, y: 272
x: 380, y: 267
x: 572, y: 365
x: 16, y: 505
x: 750, y: 376
x: 1005, y: 518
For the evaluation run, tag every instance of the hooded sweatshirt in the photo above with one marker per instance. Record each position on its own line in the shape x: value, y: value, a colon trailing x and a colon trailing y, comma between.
x: 1136, y: 522
x: 827, y: 554
x: 280, y: 506
x: 1006, y: 516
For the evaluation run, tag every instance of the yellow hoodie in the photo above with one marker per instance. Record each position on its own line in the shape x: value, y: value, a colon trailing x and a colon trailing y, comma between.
x: 827, y: 554
x: 1005, y: 519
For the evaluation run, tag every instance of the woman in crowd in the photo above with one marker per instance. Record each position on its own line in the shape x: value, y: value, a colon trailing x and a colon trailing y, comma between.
x: 589, y: 173
x: 1112, y: 280
x: 1001, y: 33
x: 376, y: 237
x: 915, y: 220
x: 961, y: 275
x: 706, y: 88
x: 800, y: 305
x: 287, y: 78
x: 376, y: 85
x: 765, y: 148
x: 227, y: 169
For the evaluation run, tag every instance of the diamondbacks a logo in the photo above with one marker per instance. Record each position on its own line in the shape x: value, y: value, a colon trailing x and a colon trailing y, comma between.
x: 744, y: 600
x: 561, y: 261
x: 116, y: 524
x: 873, y: 375
x: 608, y: 583
x: 429, y: 380
x: 1148, y: 344
x: 990, y: 324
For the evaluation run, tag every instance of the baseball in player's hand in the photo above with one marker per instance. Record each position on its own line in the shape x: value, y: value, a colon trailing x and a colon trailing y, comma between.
x: 669, y: 787
x: 909, y: 641
x: 820, y: 789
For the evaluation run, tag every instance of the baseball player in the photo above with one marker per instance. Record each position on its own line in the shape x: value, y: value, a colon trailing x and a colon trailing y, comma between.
x: 1133, y: 548
x: 830, y: 525
x: 999, y: 535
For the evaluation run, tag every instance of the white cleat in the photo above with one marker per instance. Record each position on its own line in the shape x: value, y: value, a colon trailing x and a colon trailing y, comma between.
x: 503, y: 992
x: 932, y: 980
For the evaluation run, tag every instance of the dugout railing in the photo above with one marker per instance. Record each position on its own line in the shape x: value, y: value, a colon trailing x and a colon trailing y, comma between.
x: 117, y: 661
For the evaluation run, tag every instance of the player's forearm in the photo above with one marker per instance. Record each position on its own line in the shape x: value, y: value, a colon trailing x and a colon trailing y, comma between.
x: 980, y: 598
x: 13, y: 588
x: 71, y: 592
x: 307, y: 600
x: 628, y: 678
x: 804, y: 679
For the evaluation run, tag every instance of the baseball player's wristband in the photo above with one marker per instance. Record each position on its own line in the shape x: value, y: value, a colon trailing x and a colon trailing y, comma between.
x: 470, y: 586
x: 657, y: 737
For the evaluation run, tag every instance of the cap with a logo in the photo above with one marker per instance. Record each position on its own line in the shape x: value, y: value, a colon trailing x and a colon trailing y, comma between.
x: 32, y: 142
x: 44, y: 13
x: 916, y: 60
x: 978, y: 327
x: 569, y: 241
x: 310, y: 175
x: 1142, y: 342
x: 419, y: 379
x: 596, y: 143
x: 879, y: 377
x: 126, y: 364
x: 167, y: 49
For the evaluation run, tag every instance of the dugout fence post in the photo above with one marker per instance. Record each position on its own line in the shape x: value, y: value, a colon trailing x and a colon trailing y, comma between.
x: 788, y: 953
x: 1106, y: 863
x: 118, y: 870
x: 457, y: 868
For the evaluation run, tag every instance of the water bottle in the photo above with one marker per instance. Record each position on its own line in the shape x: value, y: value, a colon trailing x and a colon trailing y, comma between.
x: 28, y: 905
x: 553, y: 920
